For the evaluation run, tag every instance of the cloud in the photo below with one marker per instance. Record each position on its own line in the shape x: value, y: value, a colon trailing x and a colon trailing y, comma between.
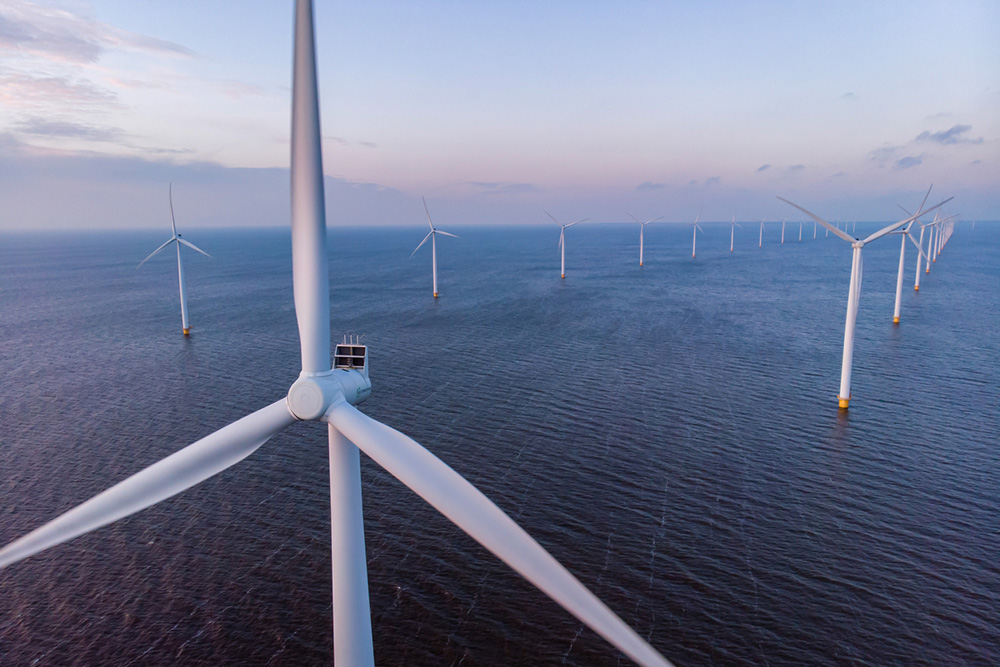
x: 884, y: 154
x: 55, y: 128
x: 848, y: 96
x: 503, y: 188
x: 796, y: 167
x: 950, y: 136
x: 27, y: 92
x: 909, y: 161
x: 61, y: 35
x: 649, y: 185
x: 763, y: 167
x: 712, y: 180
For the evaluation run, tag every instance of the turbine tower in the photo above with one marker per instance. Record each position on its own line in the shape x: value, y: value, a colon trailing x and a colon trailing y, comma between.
x: 732, y: 232
x: 434, y: 256
x: 176, y: 238
x: 854, y: 292
x: 328, y: 394
x: 562, y: 241
x: 695, y: 228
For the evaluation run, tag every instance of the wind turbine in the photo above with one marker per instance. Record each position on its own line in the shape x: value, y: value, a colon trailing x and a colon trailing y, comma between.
x: 905, y: 233
x: 854, y: 292
x: 176, y: 238
x: 695, y: 228
x: 328, y: 394
x: 434, y: 255
x: 732, y: 232
x: 562, y: 241
x: 642, y: 226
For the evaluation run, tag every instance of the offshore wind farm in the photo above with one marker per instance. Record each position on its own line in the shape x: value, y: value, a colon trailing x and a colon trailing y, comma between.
x: 670, y: 434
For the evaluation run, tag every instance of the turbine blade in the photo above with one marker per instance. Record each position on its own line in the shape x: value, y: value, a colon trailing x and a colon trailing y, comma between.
x: 836, y: 230
x: 553, y: 217
x: 431, y: 224
x: 653, y: 220
x: 429, y: 234
x: 917, y: 243
x: 577, y: 222
x: 310, y: 270
x: 179, y: 471
x: 896, y: 225
x: 438, y: 231
x: 925, y: 198
x: 466, y: 507
x: 157, y: 251
x: 193, y: 247
x: 634, y: 218
x: 562, y: 236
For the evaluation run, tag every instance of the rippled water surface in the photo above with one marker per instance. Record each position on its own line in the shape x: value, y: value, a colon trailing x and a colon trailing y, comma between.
x: 670, y: 433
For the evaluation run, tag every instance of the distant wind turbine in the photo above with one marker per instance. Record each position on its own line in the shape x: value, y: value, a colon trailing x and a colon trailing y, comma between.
x: 904, y: 232
x: 431, y: 235
x: 642, y: 226
x: 732, y: 232
x: 327, y: 393
x: 176, y: 238
x: 562, y: 241
x: 760, y: 243
x: 695, y: 228
x: 854, y: 292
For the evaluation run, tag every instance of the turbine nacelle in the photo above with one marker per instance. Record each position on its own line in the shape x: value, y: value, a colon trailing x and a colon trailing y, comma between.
x: 312, y: 395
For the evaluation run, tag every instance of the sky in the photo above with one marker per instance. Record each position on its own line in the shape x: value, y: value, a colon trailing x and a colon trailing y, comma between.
x: 497, y: 112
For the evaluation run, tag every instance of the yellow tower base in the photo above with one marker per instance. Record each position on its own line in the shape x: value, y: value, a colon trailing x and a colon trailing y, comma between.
x: 916, y: 288
x: 563, y: 275
x: 435, y: 295
x: 187, y: 332
x: 843, y: 402
x: 895, y: 320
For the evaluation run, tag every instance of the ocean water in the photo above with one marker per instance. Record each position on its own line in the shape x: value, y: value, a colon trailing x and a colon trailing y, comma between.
x: 670, y: 433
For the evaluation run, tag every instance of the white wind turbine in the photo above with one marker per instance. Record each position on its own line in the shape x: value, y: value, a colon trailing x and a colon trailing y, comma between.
x: 642, y: 226
x: 434, y: 255
x: 562, y: 241
x: 904, y: 232
x: 328, y: 394
x: 854, y: 292
x: 176, y: 238
x: 695, y: 228
x: 732, y: 232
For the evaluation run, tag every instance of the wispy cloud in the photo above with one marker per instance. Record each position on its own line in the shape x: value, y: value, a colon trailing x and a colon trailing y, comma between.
x: 503, y: 188
x: 763, y: 167
x: 884, y: 154
x: 909, y: 161
x: 848, y: 96
x: 62, y: 35
x: 53, y: 128
x: 795, y: 168
x: 22, y: 91
x: 953, y: 135
x: 713, y: 180
x: 649, y: 185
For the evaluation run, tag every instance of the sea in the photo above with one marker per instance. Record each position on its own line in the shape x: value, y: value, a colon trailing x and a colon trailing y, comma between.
x: 669, y: 432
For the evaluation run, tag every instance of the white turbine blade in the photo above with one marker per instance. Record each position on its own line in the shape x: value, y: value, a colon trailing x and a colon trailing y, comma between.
x: 310, y: 271
x: 925, y: 198
x: 836, y: 230
x: 193, y: 247
x: 157, y: 251
x: 466, y: 507
x: 553, y: 217
x: 438, y: 231
x: 917, y: 243
x: 429, y: 234
x: 698, y: 227
x: 562, y: 236
x: 431, y: 224
x: 179, y: 471
x: 896, y: 225
x: 170, y: 197
x: 649, y: 221
x: 576, y: 223
x: 634, y: 218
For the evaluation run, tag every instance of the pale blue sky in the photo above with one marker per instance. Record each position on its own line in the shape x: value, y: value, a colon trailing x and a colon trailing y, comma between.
x: 494, y: 111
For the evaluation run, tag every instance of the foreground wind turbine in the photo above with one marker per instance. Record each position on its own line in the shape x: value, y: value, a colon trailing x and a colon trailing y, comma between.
x: 328, y: 394
x: 434, y: 255
x: 562, y: 241
x: 732, y: 232
x: 176, y: 238
x: 854, y: 292
x: 642, y: 226
x: 695, y: 228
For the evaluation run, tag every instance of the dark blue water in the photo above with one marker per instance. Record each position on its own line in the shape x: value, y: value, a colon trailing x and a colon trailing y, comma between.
x: 670, y: 433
